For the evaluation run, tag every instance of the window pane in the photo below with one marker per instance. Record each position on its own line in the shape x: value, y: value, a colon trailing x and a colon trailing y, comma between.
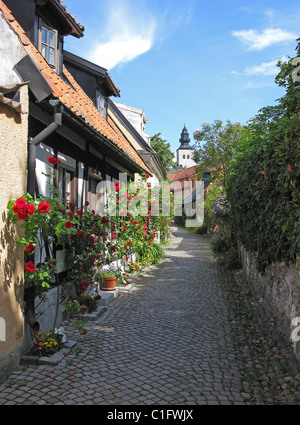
x: 68, y: 186
x: 44, y: 51
x: 51, y: 56
x: 44, y: 35
x: 60, y: 184
x: 51, y: 38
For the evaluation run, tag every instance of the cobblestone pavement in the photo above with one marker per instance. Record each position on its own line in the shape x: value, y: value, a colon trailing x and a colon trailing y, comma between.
x: 167, y: 341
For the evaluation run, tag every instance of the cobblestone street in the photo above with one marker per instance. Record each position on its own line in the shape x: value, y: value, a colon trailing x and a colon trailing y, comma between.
x: 167, y: 341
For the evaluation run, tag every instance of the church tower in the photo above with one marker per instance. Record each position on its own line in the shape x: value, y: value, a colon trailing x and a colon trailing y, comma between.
x: 184, y: 154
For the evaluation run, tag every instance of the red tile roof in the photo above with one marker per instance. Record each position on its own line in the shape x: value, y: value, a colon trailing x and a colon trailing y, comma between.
x: 74, y: 98
x: 183, y: 173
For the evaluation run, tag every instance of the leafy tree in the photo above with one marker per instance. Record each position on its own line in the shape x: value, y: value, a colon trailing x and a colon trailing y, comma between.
x: 163, y: 149
x: 214, y: 146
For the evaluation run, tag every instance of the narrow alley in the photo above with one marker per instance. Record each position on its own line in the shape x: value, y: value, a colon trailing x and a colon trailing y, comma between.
x: 168, y: 341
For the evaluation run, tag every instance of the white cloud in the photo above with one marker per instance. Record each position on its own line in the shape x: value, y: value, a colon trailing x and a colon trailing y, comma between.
x: 127, y: 34
x: 258, y: 41
x: 266, y: 68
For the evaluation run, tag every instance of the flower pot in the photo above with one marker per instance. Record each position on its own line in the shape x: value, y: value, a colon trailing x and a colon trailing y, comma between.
x: 108, y: 283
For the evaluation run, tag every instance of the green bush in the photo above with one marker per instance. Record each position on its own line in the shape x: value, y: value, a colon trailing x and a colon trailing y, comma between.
x: 263, y: 186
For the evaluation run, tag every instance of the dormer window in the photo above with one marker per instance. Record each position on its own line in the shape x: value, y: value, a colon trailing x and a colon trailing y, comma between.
x: 101, y: 104
x: 48, y: 44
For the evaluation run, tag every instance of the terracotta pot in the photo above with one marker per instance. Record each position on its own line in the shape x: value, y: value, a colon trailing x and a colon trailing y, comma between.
x: 108, y: 283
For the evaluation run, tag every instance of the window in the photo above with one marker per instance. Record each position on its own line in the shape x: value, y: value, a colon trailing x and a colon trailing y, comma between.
x: 66, y: 185
x: 183, y: 156
x: 188, y: 156
x: 94, y: 192
x: 101, y: 104
x: 48, y: 44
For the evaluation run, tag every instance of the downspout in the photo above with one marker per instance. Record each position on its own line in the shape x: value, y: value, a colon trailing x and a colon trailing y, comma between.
x: 33, y: 142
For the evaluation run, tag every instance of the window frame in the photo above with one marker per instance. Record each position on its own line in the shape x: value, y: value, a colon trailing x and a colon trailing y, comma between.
x: 49, y: 28
x: 102, y: 110
x: 62, y: 195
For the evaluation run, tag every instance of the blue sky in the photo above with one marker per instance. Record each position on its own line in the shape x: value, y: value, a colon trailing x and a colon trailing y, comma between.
x: 190, y: 61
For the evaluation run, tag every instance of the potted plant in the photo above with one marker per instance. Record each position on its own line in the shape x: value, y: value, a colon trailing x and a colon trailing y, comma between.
x: 107, y: 277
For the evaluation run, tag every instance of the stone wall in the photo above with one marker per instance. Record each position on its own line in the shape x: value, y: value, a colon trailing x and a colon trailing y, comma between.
x: 278, y: 291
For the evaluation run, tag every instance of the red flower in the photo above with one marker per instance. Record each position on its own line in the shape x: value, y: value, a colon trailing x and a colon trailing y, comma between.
x: 113, y: 248
x: 30, y: 208
x: 125, y: 245
x: 149, y: 243
x: 87, y: 203
x: 147, y: 176
x: 153, y: 235
x: 117, y: 187
x: 20, y: 202
x: 22, y: 215
x: 128, y: 243
x: 52, y: 160
x: 79, y: 212
x: 68, y: 225
x: 84, y: 332
x: 44, y: 207
x: 22, y: 209
x: 70, y: 214
x: 29, y: 248
x: 30, y: 267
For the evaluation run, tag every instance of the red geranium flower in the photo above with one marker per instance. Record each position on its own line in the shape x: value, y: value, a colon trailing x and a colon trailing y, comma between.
x: 30, y: 267
x: 52, y: 160
x: 117, y: 187
x: 29, y: 248
x: 44, y: 207
x: 68, y: 225
x: 79, y: 212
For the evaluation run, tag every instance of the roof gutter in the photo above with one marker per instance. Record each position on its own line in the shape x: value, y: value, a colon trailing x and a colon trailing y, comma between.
x: 33, y: 142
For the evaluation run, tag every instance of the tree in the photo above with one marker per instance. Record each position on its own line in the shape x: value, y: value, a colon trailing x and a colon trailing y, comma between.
x: 163, y: 149
x: 215, y: 145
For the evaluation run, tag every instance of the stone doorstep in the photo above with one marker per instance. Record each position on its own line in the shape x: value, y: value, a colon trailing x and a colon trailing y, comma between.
x: 51, y: 360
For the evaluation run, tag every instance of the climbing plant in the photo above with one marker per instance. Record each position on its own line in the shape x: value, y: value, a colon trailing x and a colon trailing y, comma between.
x: 263, y: 185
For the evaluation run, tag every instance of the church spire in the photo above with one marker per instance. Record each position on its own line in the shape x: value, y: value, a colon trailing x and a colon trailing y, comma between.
x: 185, y: 139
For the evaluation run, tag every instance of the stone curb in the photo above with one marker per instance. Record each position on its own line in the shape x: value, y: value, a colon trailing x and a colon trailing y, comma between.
x: 51, y: 360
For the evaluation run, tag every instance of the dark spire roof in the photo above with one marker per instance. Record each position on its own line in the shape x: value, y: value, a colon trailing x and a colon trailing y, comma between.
x: 184, y: 139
